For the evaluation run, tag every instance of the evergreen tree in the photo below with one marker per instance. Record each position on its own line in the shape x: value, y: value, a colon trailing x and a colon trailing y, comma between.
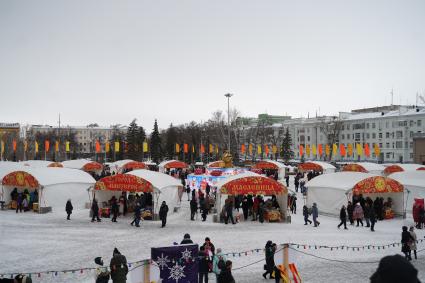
x: 171, y: 140
x: 286, y: 151
x: 141, y: 138
x: 132, y: 140
x: 155, y: 144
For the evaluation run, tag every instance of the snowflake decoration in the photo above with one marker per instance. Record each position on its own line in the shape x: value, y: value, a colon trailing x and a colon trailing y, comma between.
x: 177, y: 272
x: 186, y: 255
x: 162, y: 261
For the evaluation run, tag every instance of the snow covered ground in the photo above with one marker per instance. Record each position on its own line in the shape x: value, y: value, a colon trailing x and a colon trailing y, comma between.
x: 30, y: 243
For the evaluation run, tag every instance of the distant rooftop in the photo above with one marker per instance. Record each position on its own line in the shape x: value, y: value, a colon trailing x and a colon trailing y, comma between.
x: 9, y: 125
x: 386, y: 108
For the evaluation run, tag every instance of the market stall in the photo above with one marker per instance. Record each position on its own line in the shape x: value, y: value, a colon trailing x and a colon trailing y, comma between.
x: 364, y: 167
x: 414, y: 185
x: 216, y: 164
x: 316, y: 166
x: 171, y: 164
x: 393, y: 168
x: 331, y: 191
x: 84, y: 164
x: 271, y: 166
x: 41, y: 163
x: 249, y: 183
x: 53, y: 186
x: 125, y: 165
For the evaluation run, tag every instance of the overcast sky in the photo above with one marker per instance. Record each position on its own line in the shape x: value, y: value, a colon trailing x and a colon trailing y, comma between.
x: 108, y: 62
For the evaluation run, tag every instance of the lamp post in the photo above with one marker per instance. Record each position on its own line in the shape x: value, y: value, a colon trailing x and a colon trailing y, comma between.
x: 228, y: 95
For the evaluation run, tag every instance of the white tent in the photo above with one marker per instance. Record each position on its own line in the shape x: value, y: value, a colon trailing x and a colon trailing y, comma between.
x: 280, y: 167
x: 414, y: 184
x: 401, y: 167
x: 171, y: 164
x: 331, y: 191
x: 82, y: 164
x: 55, y: 185
x: 40, y: 163
x: 370, y: 167
x: 323, y: 166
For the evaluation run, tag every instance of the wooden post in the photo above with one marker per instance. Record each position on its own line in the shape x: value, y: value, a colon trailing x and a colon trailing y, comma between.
x: 147, y: 272
x: 286, y: 257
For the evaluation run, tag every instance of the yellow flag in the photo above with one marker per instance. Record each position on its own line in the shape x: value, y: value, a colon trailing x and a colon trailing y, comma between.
x: 327, y: 150
x: 259, y: 149
x: 216, y: 148
x: 359, y: 149
x: 193, y: 148
x: 107, y: 147
x: 334, y: 149
x: 57, y: 146
x: 2, y: 146
x: 177, y: 148
x: 36, y: 147
x: 307, y: 150
x: 350, y: 149
x: 274, y: 149
x: 67, y: 146
x: 314, y: 150
x: 117, y: 146
x: 377, y: 150
x: 145, y: 147
x: 250, y: 149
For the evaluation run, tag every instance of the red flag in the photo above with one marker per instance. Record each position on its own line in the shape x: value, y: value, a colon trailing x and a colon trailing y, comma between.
x: 46, y: 145
x: 301, y: 149
x: 367, y: 150
x: 185, y: 148
x: 202, y: 148
x: 14, y: 145
x: 320, y: 149
x: 97, y: 146
x: 242, y: 148
x: 266, y: 149
x: 342, y: 149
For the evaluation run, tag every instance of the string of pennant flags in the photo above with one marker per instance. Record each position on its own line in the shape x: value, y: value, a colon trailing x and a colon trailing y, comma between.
x: 250, y: 252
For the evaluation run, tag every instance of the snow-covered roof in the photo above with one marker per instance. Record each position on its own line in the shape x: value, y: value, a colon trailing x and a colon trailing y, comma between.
x: 36, y: 163
x: 370, y: 166
x: 324, y: 165
x: 47, y: 176
x: 409, y: 167
x: 238, y: 176
x: 120, y: 163
x: 340, y: 180
x: 159, y: 180
x: 76, y: 163
x: 394, y: 113
x: 410, y: 178
x: 7, y: 167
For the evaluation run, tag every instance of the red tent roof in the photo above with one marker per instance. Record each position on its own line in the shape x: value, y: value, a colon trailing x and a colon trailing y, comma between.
x: 175, y: 164
x: 123, y: 182
x: 378, y: 184
x: 309, y: 166
x: 354, y: 168
x: 134, y: 165
x: 265, y: 165
x: 92, y: 166
x: 255, y: 185
x: 20, y: 179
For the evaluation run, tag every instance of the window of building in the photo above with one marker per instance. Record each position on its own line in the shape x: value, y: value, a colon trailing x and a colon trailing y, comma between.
x: 406, y: 144
x: 411, y: 123
x: 411, y: 134
x: 402, y: 123
x: 342, y: 136
x: 399, y: 144
x: 373, y: 125
x: 399, y: 134
x: 419, y: 123
x: 411, y: 155
x: 380, y: 135
x: 388, y: 155
x: 357, y: 137
x: 380, y: 145
x: 348, y: 126
x: 367, y: 125
x: 308, y: 138
x: 358, y: 126
x: 411, y: 145
x: 373, y: 135
x: 393, y: 145
x: 387, y: 145
x: 342, y: 128
x: 367, y: 135
x: 387, y: 135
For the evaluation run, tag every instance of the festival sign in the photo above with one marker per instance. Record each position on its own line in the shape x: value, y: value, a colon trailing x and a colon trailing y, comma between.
x: 175, y: 164
x: 20, y: 179
x: 133, y: 165
x: 123, y: 182
x: 255, y: 185
x: 55, y: 164
x: 92, y: 166
x: 392, y: 169
x: 265, y: 165
x: 376, y: 185
x: 354, y: 168
x: 309, y: 166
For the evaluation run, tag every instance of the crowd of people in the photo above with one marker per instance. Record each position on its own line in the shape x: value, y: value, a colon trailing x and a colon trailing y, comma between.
x: 23, y: 200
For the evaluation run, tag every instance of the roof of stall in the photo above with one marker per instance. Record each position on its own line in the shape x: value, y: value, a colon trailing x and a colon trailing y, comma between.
x: 312, y: 165
x: 157, y: 179
x: 269, y: 164
x: 250, y: 183
x: 403, y: 167
x: 366, y: 166
x: 82, y: 164
x: 410, y: 178
x: 172, y: 164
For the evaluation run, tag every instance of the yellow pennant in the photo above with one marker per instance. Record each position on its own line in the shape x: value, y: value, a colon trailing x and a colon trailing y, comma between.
x: 359, y: 149
x: 57, y: 146
x: 377, y: 150
x: 307, y: 150
x: 334, y: 149
x: 67, y: 146
x: 327, y: 150
x: 145, y: 147
x: 314, y: 150
x: 117, y: 146
x: 259, y: 149
x: 250, y: 149
x: 274, y: 149
x: 36, y: 147
x: 177, y: 148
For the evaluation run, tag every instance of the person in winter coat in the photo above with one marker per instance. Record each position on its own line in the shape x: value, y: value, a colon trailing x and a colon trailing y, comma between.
x: 366, y: 212
x: 163, y: 211
x: 209, y: 247
x: 406, y: 238
x: 343, y: 217
x: 372, y: 218
x: 203, y: 205
x: 358, y: 214
x: 186, y: 240
x: 269, y: 259
x: 412, y: 243
x: 305, y: 214
x: 102, y: 276
x: 296, y: 182
x: 19, y: 200
x: 219, y: 262
x: 395, y: 269
x: 115, y: 209
x: 193, y: 208
x: 287, y: 181
x: 245, y: 208
x: 255, y: 208
x: 315, y: 214
x: 68, y: 209
x: 95, y: 211
x: 261, y: 212
x: 203, y: 265
x: 188, y: 192
x: 137, y: 215
x: 229, y: 212
x: 226, y: 274
x: 118, y: 267
x: 350, y: 210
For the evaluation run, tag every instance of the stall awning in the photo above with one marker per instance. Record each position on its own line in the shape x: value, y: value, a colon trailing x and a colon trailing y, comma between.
x: 133, y: 165
x: 216, y: 164
x: 20, y: 179
x: 309, y: 166
x: 255, y: 185
x: 377, y: 184
x: 55, y: 164
x: 354, y: 168
x: 123, y: 182
x: 266, y: 165
x: 92, y: 167
x: 175, y: 164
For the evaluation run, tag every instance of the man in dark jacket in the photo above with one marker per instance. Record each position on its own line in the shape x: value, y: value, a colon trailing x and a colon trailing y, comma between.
x: 95, y: 211
x: 203, y: 265
x: 186, y: 240
x: 269, y: 267
x: 245, y: 208
x: 68, y: 209
x: 119, y: 268
x: 343, y: 217
x: 115, y: 208
x: 163, y: 211
x: 137, y: 215
x: 229, y: 212
x: 203, y: 207
x: 372, y: 218
x: 193, y: 208
x: 225, y: 275
x: 350, y: 210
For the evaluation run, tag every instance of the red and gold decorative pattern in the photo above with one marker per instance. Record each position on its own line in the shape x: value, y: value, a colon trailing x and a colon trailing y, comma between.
x: 20, y: 179
x: 265, y: 165
x: 354, y: 168
x: 255, y: 185
x: 92, y: 166
x: 216, y: 164
x: 55, y: 164
x: 133, y: 165
x: 421, y: 169
x: 309, y: 166
x: 175, y: 164
x: 123, y: 182
x: 392, y: 169
x: 376, y: 185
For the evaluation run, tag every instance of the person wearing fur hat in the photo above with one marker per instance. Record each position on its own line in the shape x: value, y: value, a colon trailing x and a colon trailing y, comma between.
x: 395, y: 269
x: 119, y: 268
x: 186, y: 240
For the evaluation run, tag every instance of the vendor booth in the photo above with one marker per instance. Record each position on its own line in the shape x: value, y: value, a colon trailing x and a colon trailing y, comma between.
x: 160, y: 187
x: 403, y: 167
x: 317, y: 166
x: 84, y: 164
x: 331, y: 191
x: 171, y: 164
x: 272, y: 166
x: 364, y: 167
x: 125, y: 165
x: 414, y: 185
x: 52, y: 186
x: 41, y: 163
x: 249, y: 183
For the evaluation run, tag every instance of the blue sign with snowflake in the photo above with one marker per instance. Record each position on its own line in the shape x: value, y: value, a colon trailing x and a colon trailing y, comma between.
x: 177, y: 264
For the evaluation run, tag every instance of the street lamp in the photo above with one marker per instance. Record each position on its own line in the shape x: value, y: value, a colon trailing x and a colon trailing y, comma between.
x: 228, y: 95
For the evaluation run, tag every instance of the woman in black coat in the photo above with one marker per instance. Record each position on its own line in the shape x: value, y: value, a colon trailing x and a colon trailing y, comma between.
x: 343, y: 217
x: 225, y: 275
x: 68, y: 209
x: 406, y: 238
x: 163, y: 211
x: 269, y: 266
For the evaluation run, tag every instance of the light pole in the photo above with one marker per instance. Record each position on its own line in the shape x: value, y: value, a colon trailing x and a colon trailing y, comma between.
x: 228, y: 95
